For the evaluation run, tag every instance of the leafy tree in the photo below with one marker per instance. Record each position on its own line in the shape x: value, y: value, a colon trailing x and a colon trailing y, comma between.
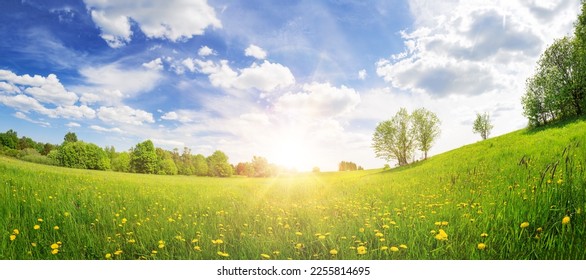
x: 70, y: 137
x: 426, y: 129
x: 200, y: 165
x: 347, y: 166
x: 218, y: 165
x: 9, y: 139
x: 121, y: 162
x: 482, y: 125
x: 165, y: 163
x: 261, y: 167
x: 394, y: 139
x: 82, y: 155
x: 143, y: 158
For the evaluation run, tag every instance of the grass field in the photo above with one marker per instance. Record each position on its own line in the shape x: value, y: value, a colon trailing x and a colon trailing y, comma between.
x: 518, y: 196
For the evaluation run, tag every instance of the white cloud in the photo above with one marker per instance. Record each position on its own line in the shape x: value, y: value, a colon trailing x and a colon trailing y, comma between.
x: 173, y: 19
x: 103, y: 129
x: 255, y: 51
x: 168, y: 143
x: 44, y: 89
x: 23, y: 116
x: 124, y: 114
x: 155, y: 64
x: 205, y: 51
x: 170, y: 116
x: 111, y: 83
x: 74, y: 112
x: 265, y: 77
x: 318, y: 100
x: 362, y: 74
x: 73, y: 124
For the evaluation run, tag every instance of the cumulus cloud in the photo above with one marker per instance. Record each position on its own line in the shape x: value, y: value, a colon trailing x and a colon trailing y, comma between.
x: 318, y: 100
x: 155, y: 64
x: 205, y: 51
x: 362, y: 74
x: 73, y: 124
x: 255, y: 51
x: 173, y: 20
x: 125, y: 115
x: 103, y: 129
x: 44, y: 89
x: 170, y: 116
x: 265, y: 77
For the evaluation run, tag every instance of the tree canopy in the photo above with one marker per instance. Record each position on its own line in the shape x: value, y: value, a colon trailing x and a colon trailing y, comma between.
x: 482, y: 125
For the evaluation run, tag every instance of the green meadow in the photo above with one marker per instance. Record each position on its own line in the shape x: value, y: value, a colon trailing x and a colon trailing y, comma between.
x: 514, y: 197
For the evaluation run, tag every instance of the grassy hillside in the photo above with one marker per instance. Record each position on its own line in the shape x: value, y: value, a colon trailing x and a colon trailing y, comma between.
x: 503, y: 198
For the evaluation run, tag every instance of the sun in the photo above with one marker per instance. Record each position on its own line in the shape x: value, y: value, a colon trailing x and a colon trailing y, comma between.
x: 292, y: 152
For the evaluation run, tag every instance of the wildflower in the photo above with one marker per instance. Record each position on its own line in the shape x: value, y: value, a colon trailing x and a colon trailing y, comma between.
x: 131, y: 241
x: 54, y: 251
x: 361, y: 230
x: 321, y: 237
x: 444, y: 223
x: 161, y: 244
x: 66, y: 214
x: 217, y: 241
x: 118, y: 252
x: 124, y: 220
x: 361, y: 250
x: 484, y: 234
x: 197, y: 248
x: 154, y: 252
x: 108, y: 256
x: 265, y: 256
x: 56, y: 227
x: 36, y: 227
x: 40, y: 220
x: 15, y: 231
x: 298, y: 233
x: 384, y: 248
x: 566, y: 220
x: 524, y: 224
x: 299, y: 246
x: 333, y: 252
x: 539, y: 229
x: 394, y: 249
x: 54, y: 246
x: 223, y: 254
x: 12, y: 237
x: 481, y: 246
x: 442, y: 235
x: 403, y: 246
x: 34, y: 244
x: 194, y: 240
x: 379, y: 234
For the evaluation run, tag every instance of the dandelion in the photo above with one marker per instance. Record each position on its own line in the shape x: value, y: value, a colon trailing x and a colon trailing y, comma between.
x: 161, y: 244
x: 118, y: 252
x: 384, y: 248
x: 298, y: 233
x: 223, y: 254
x: 197, y: 248
x: 265, y: 256
x: 194, y: 240
x: 379, y: 234
x: 66, y: 214
x: 108, y: 256
x: 15, y: 231
x: 56, y: 227
x: 444, y: 223
x: 299, y: 246
x: 361, y: 250
x: 539, y: 229
x: 566, y: 220
x: 481, y: 246
x: 54, y: 246
x: 12, y: 237
x: 124, y: 220
x: 403, y: 246
x: 36, y: 227
x: 394, y: 249
x: 442, y: 235
x: 131, y: 241
x: 361, y: 230
x: 54, y: 251
x: 333, y: 252
x: 34, y: 244
x: 40, y: 220
x: 321, y: 237
x: 484, y: 234
x: 217, y: 241
x: 524, y: 224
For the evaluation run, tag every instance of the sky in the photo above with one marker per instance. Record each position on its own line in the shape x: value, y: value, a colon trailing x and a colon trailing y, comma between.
x: 301, y: 83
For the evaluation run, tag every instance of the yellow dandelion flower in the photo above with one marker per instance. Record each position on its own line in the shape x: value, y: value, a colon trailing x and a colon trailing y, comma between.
x: 361, y: 250
x: 298, y: 233
x: 66, y: 214
x: 539, y: 229
x: 15, y: 231
x: 333, y: 252
x: 524, y: 224
x: 379, y: 234
x: 56, y: 227
x: 194, y: 240
x: 124, y: 220
x: 197, y: 248
x: 442, y: 235
x: 394, y: 249
x: 54, y: 251
x: 403, y: 246
x: 223, y: 254
x: 438, y: 223
x: 40, y: 220
x: 154, y: 252
x: 34, y: 244
x: 54, y: 246
x: 566, y: 220
x: 384, y: 248
x: 36, y: 227
x: 108, y: 256
x: 484, y: 234
x: 481, y: 246
x: 161, y: 244
x: 12, y: 237
x: 321, y: 237
x: 444, y: 223
x: 265, y: 256
x: 361, y: 230
x: 299, y: 246
x: 218, y: 241
x: 118, y: 252
x: 131, y: 241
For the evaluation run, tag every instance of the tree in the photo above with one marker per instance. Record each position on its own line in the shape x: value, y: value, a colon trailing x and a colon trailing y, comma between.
x: 218, y: 165
x: 394, y: 139
x: 426, y: 129
x: 347, y: 166
x: 70, y: 137
x: 121, y: 162
x: 482, y: 125
x: 261, y: 167
x: 82, y: 155
x: 143, y: 158
x: 9, y: 139
x: 200, y: 165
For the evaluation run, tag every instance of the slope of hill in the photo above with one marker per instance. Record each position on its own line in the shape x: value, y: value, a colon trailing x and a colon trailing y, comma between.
x: 517, y: 196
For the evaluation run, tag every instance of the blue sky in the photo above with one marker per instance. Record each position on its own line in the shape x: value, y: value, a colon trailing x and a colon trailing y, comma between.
x: 302, y: 83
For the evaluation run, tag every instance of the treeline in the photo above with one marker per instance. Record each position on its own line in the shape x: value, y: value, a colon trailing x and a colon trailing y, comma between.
x: 348, y: 166
x: 143, y: 158
x: 557, y: 90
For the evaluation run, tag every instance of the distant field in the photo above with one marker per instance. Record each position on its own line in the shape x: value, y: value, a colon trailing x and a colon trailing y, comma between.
x: 518, y: 196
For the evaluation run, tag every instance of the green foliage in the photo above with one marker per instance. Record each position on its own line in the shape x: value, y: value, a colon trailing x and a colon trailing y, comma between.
x: 218, y: 165
x: 82, y: 155
x: 426, y: 126
x: 395, y: 139
x: 121, y: 162
x: 9, y: 139
x: 348, y: 166
x: 70, y: 137
x: 482, y: 125
x: 143, y: 158
x: 200, y: 164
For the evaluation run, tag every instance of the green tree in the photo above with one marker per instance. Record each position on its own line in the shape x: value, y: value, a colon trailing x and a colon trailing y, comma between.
x: 426, y: 126
x: 261, y: 167
x: 70, y: 137
x: 218, y: 165
x: 143, y: 158
x: 121, y: 162
x: 82, y: 155
x: 9, y: 139
x: 394, y: 139
x: 201, y: 165
x: 482, y: 125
